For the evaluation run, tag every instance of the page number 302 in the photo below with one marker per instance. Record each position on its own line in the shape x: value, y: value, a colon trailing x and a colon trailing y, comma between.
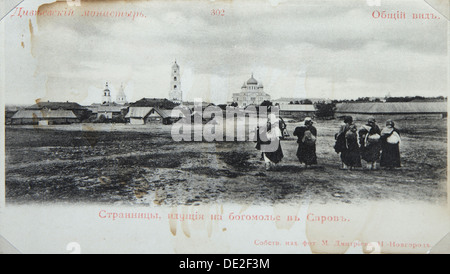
x: 218, y: 12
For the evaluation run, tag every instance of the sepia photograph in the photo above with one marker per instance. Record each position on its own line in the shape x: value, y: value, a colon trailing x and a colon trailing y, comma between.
x: 263, y: 126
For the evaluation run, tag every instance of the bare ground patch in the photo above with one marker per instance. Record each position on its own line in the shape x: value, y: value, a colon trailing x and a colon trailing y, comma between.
x: 147, y: 166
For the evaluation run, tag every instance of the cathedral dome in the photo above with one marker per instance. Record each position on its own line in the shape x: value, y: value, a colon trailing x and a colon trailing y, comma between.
x: 252, y: 81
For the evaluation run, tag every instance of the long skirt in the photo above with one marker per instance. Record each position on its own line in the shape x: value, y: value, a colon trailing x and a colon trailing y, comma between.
x: 351, y: 157
x: 307, y: 154
x: 274, y: 157
x: 371, y: 153
x: 390, y: 156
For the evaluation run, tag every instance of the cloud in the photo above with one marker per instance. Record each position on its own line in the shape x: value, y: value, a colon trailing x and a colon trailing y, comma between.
x: 337, y: 49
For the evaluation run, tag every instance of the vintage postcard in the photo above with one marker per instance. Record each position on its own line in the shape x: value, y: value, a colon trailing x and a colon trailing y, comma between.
x: 226, y: 126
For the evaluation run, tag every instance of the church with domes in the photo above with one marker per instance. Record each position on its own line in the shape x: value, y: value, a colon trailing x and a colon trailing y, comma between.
x: 252, y: 93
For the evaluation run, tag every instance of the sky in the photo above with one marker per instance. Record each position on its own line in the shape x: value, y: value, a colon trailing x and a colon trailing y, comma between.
x: 297, y: 49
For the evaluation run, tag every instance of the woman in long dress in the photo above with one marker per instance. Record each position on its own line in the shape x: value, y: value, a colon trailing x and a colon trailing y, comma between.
x: 390, y: 146
x: 269, y: 142
x: 341, y: 145
x: 306, y: 134
x: 369, y: 140
x: 351, y: 155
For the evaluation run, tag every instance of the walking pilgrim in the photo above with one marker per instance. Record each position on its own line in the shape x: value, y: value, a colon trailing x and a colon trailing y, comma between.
x: 390, y: 146
x: 347, y: 144
x: 351, y: 156
x: 307, y: 135
x: 268, y: 141
x: 369, y: 140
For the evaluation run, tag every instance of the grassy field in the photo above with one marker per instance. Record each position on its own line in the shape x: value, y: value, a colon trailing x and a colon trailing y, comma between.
x: 123, y: 164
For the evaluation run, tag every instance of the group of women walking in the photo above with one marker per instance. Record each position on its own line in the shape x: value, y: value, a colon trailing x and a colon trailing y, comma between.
x: 368, y: 143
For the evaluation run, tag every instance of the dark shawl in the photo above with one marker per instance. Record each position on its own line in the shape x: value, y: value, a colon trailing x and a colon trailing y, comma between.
x: 351, y: 155
x: 370, y: 152
x: 306, y: 153
x: 390, y: 153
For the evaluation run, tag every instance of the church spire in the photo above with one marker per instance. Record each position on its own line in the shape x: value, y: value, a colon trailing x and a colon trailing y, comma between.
x: 106, y: 99
x: 175, y: 93
x: 121, y: 97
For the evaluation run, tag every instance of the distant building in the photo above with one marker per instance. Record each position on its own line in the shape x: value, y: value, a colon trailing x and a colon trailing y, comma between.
x: 79, y: 111
x: 142, y: 115
x: 47, y: 113
x: 291, y: 100
x: 44, y: 117
x: 121, y: 98
x: 162, y: 103
x: 296, y: 111
x: 151, y: 110
x: 9, y: 113
x: 109, y: 110
x: 286, y: 101
x: 106, y: 98
x: 393, y: 110
x: 196, y: 110
x: 191, y: 105
x: 175, y: 94
x: 252, y: 93
x: 150, y: 115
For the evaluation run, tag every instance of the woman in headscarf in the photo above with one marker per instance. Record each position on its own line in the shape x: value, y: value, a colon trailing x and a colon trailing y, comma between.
x: 351, y: 156
x: 369, y: 140
x: 283, y: 129
x: 306, y: 134
x: 341, y: 141
x: 270, y: 142
x: 390, y: 146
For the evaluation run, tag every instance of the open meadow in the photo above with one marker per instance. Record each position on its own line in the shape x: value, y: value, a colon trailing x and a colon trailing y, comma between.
x: 125, y: 164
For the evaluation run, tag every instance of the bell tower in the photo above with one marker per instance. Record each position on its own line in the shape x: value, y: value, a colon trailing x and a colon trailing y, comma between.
x: 175, y: 94
x: 106, y: 98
